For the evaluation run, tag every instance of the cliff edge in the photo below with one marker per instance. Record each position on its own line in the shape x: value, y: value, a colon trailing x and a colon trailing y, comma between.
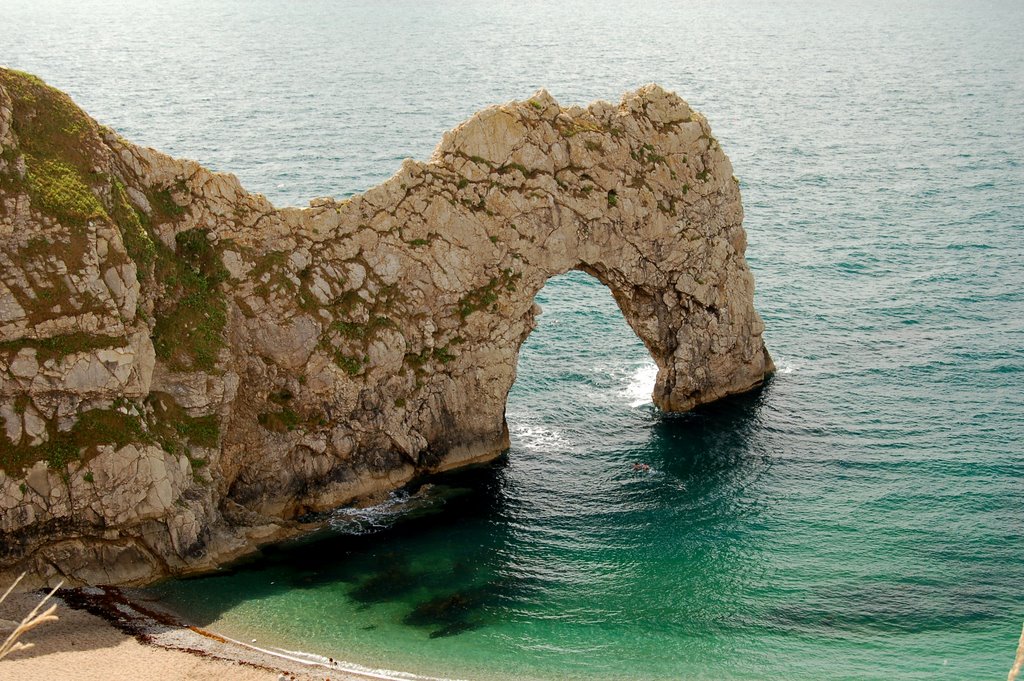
x: 185, y: 370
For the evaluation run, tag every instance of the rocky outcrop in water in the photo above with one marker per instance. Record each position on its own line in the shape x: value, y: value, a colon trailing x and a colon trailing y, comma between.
x: 185, y: 370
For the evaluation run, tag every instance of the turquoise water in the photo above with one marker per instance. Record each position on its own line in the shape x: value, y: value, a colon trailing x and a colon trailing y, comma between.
x: 862, y: 517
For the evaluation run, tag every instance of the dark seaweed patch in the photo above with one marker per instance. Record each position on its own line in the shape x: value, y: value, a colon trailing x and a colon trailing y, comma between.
x: 450, y: 614
x: 394, y: 579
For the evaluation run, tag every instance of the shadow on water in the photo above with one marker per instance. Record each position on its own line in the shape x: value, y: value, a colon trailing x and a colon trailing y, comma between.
x: 446, y: 594
x: 443, y: 564
x: 716, y: 442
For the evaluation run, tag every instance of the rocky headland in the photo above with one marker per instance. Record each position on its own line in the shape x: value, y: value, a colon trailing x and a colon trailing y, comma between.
x: 186, y: 370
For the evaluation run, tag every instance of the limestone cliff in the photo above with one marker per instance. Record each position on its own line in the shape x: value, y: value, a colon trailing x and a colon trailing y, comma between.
x: 185, y: 370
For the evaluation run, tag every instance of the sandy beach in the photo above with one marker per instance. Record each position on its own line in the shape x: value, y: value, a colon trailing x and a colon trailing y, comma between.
x: 101, y: 636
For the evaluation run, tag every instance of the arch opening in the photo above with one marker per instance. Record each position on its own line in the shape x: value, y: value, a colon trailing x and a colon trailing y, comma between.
x: 580, y: 372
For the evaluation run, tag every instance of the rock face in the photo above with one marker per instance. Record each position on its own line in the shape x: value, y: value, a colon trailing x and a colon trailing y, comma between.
x: 185, y: 370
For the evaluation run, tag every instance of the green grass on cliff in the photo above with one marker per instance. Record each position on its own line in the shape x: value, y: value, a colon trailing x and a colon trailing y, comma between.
x: 58, y: 141
x: 58, y: 190
x: 163, y: 204
x: 287, y: 419
x: 61, y: 147
x: 166, y: 424
x: 56, y: 347
x: 279, y: 421
x: 192, y: 312
x: 133, y: 225
x: 173, y: 427
x: 92, y: 429
x: 486, y: 296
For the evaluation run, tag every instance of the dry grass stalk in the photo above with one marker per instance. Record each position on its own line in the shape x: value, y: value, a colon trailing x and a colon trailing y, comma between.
x: 30, y: 621
x: 1018, y: 663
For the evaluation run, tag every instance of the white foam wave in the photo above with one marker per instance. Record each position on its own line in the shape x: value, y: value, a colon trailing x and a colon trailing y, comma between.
x: 784, y: 365
x: 361, y: 670
x: 536, y: 437
x: 641, y: 385
x: 353, y: 520
x: 313, y: 659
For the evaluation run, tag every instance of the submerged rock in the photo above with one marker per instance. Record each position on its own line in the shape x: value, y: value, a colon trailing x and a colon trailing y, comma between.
x: 185, y: 369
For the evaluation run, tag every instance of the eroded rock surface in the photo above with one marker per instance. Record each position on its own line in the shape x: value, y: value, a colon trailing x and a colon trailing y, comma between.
x: 185, y: 370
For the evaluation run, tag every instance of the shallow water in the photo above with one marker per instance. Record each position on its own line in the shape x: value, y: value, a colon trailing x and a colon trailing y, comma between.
x: 861, y: 517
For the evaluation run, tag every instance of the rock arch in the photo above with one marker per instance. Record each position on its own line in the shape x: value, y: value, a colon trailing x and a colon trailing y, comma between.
x: 450, y: 254
x: 337, y: 351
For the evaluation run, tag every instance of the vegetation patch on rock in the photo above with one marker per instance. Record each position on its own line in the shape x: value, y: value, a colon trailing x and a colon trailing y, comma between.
x: 56, y: 347
x: 192, y: 312
x: 92, y: 429
x: 56, y: 139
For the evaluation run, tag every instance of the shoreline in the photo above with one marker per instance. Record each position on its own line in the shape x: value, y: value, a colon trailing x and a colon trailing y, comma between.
x: 103, y: 633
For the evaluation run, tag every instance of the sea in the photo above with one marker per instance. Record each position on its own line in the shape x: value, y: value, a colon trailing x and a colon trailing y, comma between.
x: 859, y: 517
